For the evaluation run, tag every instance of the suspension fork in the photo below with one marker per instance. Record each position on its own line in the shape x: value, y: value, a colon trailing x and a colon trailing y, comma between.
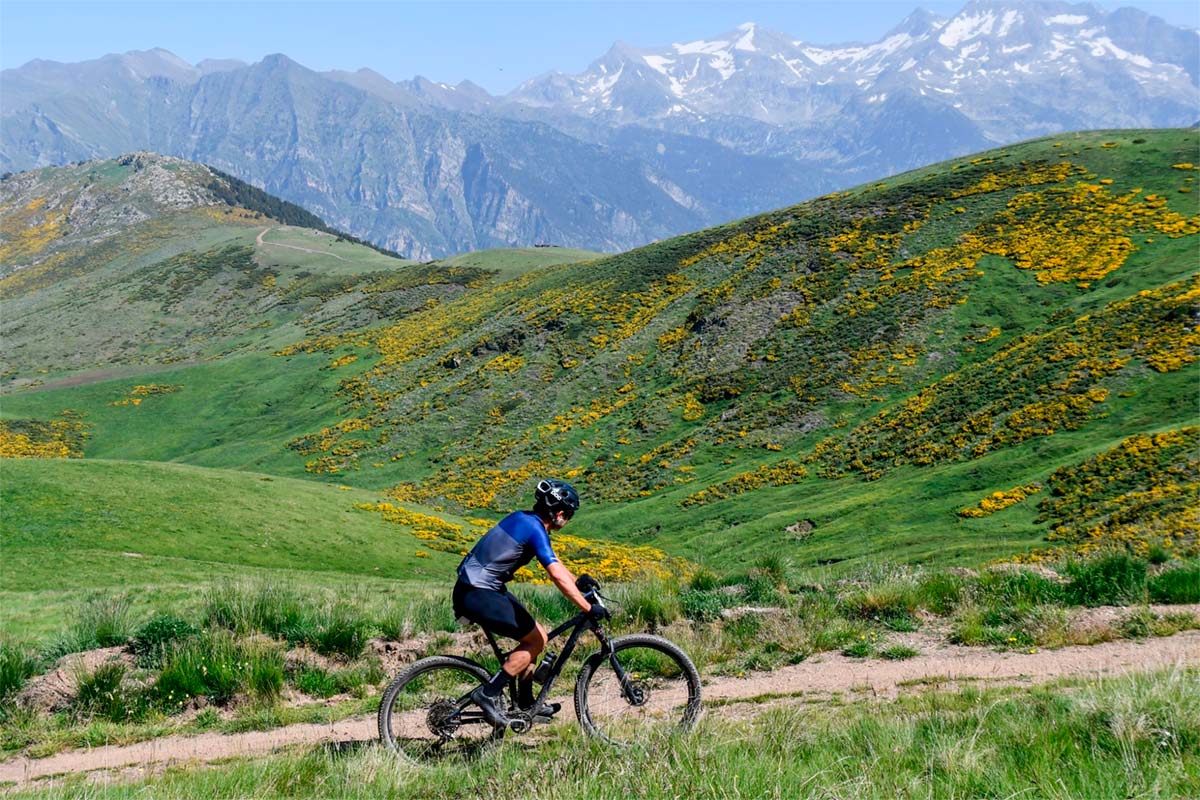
x: 631, y: 693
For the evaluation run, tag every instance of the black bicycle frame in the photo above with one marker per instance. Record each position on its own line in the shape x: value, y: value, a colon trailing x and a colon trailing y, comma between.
x: 576, y: 624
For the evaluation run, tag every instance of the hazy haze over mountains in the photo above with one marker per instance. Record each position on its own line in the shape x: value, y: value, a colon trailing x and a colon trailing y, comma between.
x: 645, y: 143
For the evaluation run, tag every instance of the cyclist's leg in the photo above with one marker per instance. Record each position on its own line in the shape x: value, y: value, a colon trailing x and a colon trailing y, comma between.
x: 504, y: 615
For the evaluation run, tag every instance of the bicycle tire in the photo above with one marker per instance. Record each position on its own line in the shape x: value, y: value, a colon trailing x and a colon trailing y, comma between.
x: 416, y: 715
x: 668, y: 683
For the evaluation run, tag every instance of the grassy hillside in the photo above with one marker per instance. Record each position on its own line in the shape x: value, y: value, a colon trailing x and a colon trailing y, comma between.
x: 161, y: 532
x: 918, y: 370
x: 861, y: 368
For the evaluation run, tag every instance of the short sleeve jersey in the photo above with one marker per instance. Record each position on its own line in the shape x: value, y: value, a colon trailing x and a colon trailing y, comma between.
x: 503, y: 550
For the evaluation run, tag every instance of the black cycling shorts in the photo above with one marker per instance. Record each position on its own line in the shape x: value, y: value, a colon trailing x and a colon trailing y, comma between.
x: 498, y: 612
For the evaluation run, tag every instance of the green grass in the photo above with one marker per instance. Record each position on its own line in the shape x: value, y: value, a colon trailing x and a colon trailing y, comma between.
x: 509, y: 263
x: 1114, y: 738
x: 162, y: 533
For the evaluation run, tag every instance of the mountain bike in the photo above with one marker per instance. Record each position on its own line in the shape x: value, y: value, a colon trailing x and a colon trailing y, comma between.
x: 635, y: 689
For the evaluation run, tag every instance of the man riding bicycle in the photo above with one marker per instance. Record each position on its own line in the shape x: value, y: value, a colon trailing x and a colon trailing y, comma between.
x: 480, y: 594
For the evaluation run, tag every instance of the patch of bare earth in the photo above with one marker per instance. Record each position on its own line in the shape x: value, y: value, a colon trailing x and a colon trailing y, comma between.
x: 825, y: 675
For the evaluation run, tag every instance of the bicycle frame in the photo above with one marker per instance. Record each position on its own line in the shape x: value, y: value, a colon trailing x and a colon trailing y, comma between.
x: 576, y: 625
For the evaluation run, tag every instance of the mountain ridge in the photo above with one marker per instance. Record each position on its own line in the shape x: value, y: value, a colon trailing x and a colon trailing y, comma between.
x: 389, y: 159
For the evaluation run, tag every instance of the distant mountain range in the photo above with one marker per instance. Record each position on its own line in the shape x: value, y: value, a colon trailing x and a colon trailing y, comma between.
x: 645, y: 143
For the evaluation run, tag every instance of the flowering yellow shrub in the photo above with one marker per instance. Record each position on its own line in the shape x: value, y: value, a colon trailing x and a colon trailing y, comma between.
x: 39, y: 439
x: 783, y: 473
x: 342, y: 361
x: 505, y: 363
x: 142, y: 391
x: 998, y: 501
x: 1142, y: 493
x: 27, y: 231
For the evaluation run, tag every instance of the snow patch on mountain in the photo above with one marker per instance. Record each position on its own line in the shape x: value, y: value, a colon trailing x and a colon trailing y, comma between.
x: 963, y: 29
x: 1066, y: 19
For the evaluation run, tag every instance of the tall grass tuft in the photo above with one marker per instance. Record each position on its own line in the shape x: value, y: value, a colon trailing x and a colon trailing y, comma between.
x: 17, y: 666
x: 340, y: 630
x: 281, y: 610
x: 106, y: 620
x: 424, y: 614
x: 652, y: 602
x: 217, y: 666
x: 103, y: 693
x: 1178, y: 585
x: 1112, y: 579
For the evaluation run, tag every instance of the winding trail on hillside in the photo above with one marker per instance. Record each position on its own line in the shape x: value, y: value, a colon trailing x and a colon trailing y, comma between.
x: 815, y: 680
x: 259, y: 241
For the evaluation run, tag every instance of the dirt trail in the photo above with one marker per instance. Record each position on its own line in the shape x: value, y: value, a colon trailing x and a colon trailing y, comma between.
x: 824, y: 675
x: 259, y: 241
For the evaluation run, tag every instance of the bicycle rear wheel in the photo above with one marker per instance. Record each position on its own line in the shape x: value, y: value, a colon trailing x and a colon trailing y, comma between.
x: 423, y: 715
x: 648, y: 689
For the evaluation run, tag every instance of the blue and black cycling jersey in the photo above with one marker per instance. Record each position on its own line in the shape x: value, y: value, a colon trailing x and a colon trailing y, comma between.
x: 503, y: 550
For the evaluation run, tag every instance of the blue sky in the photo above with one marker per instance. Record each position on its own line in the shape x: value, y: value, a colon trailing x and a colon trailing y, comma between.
x: 495, y: 44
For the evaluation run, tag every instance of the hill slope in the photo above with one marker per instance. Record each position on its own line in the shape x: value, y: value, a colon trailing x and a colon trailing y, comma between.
x: 853, y: 378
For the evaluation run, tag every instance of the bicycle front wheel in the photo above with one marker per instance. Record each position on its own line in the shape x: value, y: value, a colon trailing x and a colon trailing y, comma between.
x: 423, y: 714
x: 646, y: 689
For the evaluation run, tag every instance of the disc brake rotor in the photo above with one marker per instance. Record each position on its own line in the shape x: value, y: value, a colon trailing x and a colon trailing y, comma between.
x: 639, y: 693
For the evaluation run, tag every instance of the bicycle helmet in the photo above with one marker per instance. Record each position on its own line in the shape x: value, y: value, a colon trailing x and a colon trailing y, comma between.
x: 553, y: 495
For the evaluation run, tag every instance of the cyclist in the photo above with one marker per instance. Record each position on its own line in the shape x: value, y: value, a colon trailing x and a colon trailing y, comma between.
x: 480, y: 594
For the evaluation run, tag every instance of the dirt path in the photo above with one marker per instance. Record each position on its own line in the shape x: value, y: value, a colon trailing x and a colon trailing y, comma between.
x: 823, y: 676
x: 259, y: 241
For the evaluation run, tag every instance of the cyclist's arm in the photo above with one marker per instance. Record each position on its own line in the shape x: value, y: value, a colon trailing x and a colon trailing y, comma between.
x: 565, y: 582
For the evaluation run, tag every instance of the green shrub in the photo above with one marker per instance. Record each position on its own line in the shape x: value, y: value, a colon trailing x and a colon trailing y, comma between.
x: 761, y: 590
x: 702, y: 605
x: 152, y: 641
x: 315, y: 682
x: 269, y: 607
x: 1137, y: 625
x: 207, y: 666
x: 898, y: 652
x: 859, y: 649
x: 17, y: 666
x: 992, y: 626
x: 774, y: 567
x: 264, y: 674
x: 704, y: 580
x: 742, y: 630
x: 1114, y: 579
x: 1178, y: 585
x: 893, y: 603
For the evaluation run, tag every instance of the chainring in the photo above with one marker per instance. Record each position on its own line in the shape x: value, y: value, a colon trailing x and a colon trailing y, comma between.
x: 519, y: 721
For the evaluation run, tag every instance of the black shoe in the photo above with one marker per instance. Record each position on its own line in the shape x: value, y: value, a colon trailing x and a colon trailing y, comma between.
x: 491, y: 711
x: 547, y: 711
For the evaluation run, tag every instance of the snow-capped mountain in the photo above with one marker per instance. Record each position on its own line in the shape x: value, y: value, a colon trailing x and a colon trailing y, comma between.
x: 1017, y: 69
x: 646, y: 143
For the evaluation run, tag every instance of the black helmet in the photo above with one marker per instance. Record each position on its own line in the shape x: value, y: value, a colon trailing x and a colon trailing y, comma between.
x: 554, y: 495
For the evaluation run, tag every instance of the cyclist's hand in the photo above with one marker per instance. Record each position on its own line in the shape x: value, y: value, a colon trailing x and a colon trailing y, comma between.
x: 598, y: 613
